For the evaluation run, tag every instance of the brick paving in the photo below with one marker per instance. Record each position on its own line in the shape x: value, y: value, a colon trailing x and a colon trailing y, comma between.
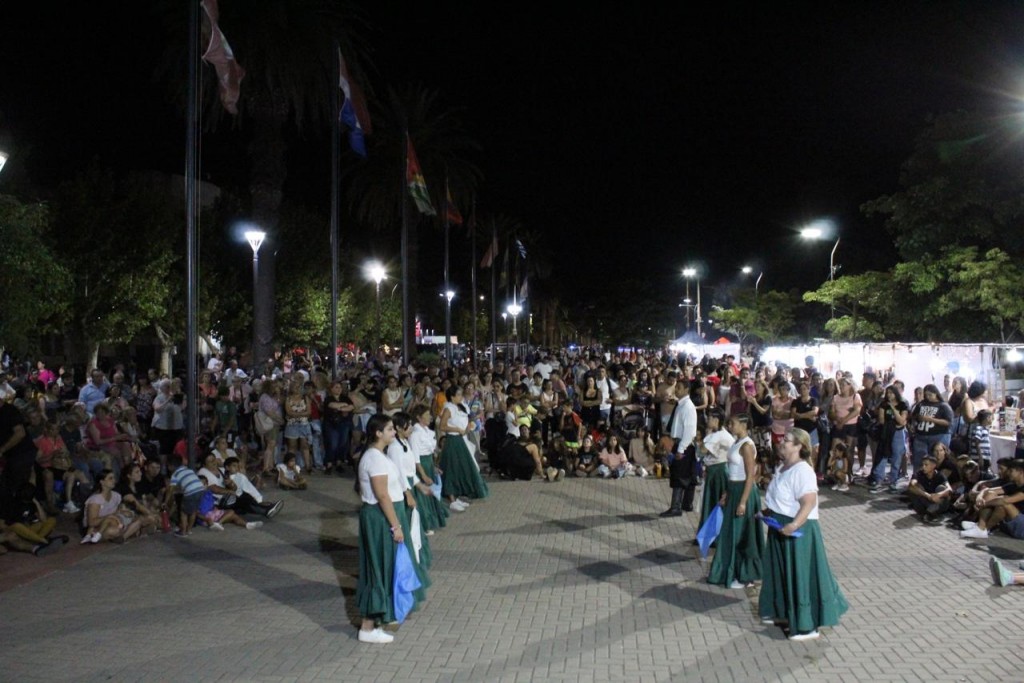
x: 571, y: 581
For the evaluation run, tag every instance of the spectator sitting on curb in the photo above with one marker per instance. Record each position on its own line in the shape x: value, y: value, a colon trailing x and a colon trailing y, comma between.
x: 25, y: 526
x: 215, y: 517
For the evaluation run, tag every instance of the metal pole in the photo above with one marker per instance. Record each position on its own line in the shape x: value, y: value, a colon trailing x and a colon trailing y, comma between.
x: 494, y: 296
x: 377, y: 335
x: 472, y: 276
x: 832, y: 273
x: 335, y: 177
x: 689, y: 305
x: 406, y: 322
x: 699, y: 333
x: 192, y: 227
x: 447, y: 282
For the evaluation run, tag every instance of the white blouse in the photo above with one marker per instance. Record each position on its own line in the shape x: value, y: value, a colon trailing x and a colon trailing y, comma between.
x: 422, y: 441
x: 718, y: 445
x: 735, y: 466
x: 789, y: 486
x: 403, y: 457
x: 373, y: 464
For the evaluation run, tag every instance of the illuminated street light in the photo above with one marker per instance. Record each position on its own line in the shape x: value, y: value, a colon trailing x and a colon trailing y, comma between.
x: 375, y: 272
x: 255, y: 239
x: 3, y: 160
x: 691, y: 272
x: 822, y: 229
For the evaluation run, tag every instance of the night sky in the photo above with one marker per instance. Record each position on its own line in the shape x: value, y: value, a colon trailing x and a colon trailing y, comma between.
x: 639, y: 139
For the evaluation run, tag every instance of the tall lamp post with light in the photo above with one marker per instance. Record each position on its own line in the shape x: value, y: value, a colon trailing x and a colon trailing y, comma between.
x: 514, y: 309
x: 255, y: 239
x: 375, y: 272
x: 448, y: 296
x: 691, y: 272
x: 818, y: 231
x: 749, y: 270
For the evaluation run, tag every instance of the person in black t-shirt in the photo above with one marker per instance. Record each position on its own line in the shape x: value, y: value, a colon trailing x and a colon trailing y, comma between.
x: 1001, y: 505
x: 930, y: 493
x: 805, y: 416
x: 15, y: 446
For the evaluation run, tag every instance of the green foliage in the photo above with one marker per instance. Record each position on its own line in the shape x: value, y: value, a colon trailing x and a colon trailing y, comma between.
x: 864, y: 299
x: 776, y: 313
x: 116, y: 237
x: 33, y: 283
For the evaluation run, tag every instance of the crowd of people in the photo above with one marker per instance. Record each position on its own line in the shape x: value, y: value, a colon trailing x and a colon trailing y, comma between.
x: 111, y: 454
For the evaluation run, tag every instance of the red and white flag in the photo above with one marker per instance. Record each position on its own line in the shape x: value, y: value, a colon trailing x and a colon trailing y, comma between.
x: 218, y: 54
x: 490, y: 254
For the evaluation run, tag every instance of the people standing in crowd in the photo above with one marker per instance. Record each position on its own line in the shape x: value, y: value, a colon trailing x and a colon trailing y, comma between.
x: 718, y: 441
x: 847, y: 407
x: 798, y: 591
x: 893, y: 415
x: 461, y: 473
x: 337, y: 427
x: 932, y: 419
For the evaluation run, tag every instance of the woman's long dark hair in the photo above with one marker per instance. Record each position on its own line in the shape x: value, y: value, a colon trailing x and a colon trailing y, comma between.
x: 450, y: 395
x: 402, y: 420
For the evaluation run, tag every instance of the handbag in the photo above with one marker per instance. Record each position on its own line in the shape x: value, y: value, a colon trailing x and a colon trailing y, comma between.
x: 264, y: 423
x: 61, y: 461
x: 960, y: 442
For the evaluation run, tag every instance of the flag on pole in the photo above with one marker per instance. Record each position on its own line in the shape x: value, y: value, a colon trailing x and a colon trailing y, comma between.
x: 452, y: 211
x: 354, y: 113
x: 503, y: 277
x: 218, y: 54
x: 417, y: 185
x: 490, y: 254
x: 521, y: 248
x: 524, y: 291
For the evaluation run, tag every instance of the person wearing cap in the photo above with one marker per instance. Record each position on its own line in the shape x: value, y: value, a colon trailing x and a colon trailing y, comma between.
x: 930, y: 493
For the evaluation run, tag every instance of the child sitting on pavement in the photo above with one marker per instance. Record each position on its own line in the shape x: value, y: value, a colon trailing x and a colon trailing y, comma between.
x: 289, y: 474
x: 216, y: 518
x: 837, y: 461
x: 930, y: 493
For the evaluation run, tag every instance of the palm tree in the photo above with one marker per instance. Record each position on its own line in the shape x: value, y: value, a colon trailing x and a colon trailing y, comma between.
x: 289, y: 53
x: 377, y: 188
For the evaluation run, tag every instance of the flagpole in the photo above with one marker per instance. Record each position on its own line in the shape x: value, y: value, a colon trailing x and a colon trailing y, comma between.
x: 335, y: 219
x: 191, y: 228
x: 472, y: 275
x: 494, y: 295
x: 406, y: 342
x: 447, y: 282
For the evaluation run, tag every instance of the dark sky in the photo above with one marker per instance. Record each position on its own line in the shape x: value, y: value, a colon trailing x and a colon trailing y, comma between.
x: 640, y: 139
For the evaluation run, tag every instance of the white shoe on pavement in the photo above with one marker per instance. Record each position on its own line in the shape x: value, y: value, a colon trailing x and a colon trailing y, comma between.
x: 965, y: 525
x: 377, y: 636
x: 71, y: 508
x: 253, y: 525
x: 216, y: 526
x: 810, y: 635
x: 974, y: 533
x: 457, y: 507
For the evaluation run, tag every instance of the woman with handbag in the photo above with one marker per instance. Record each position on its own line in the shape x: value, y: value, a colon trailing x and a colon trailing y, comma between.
x: 269, y: 420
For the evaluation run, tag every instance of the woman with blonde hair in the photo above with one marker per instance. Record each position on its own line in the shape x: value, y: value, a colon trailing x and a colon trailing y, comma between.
x: 799, y: 591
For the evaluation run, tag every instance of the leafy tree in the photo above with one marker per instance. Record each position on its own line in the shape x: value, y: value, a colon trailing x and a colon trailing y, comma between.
x: 962, y: 186
x: 741, y: 320
x: 35, y: 285
x: 117, y: 238
x: 857, y: 297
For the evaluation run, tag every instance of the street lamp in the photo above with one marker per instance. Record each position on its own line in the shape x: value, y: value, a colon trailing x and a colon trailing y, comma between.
x: 448, y: 296
x: 375, y: 271
x: 255, y: 239
x: 504, y: 322
x: 3, y: 160
x: 691, y: 272
x: 514, y: 309
x: 749, y: 270
x: 819, y: 230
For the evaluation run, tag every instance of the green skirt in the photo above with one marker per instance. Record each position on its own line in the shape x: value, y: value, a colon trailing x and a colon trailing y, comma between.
x: 426, y: 556
x: 459, y: 474
x: 377, y: 564
x: 798, y: 584
x: 716, y: 479
x: 433, y: 511
x: 741, y: 541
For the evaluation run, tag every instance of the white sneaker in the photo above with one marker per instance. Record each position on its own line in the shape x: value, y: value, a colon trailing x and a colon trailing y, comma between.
x: 642, y: 473
x: 965, y: 525
x: 454, y: 507
x: 843, y: 488
x: 810, y: 635
x: 71, y: 508
x: 835, y: 487
x: 550, y: 473
x: 560, y: 476
x: 377, y: 636
x: 736, y: 585
x: 253, y: 525
x: 974, y: 533
x: 216, y: 526
x: 465, y: 503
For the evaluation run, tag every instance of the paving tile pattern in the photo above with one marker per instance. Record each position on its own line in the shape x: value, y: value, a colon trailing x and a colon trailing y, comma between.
x: 571, y: 581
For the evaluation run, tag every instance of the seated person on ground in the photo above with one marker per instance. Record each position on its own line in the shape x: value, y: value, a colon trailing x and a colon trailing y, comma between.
x: 215, y: 517
x: 1000, y: 507
x: 614, y: 462
x: 930, y: 494
x: 106, y: 517
x: 25, y: 526
x: 586, y: 461
x: 289, y: 474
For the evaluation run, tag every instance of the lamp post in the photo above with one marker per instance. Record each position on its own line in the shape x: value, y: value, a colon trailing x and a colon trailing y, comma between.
x: 448, y: 296
x: 375, y: 272
x: 504, y: 322
x: 691, y: 272
x: 255, y: 239
x: 514, y: 309
x: 816, y: 232
x: 749, y: 270
x: 688, y: 273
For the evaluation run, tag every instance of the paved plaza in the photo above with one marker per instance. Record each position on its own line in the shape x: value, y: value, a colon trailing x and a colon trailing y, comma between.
x: 571, y: 581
